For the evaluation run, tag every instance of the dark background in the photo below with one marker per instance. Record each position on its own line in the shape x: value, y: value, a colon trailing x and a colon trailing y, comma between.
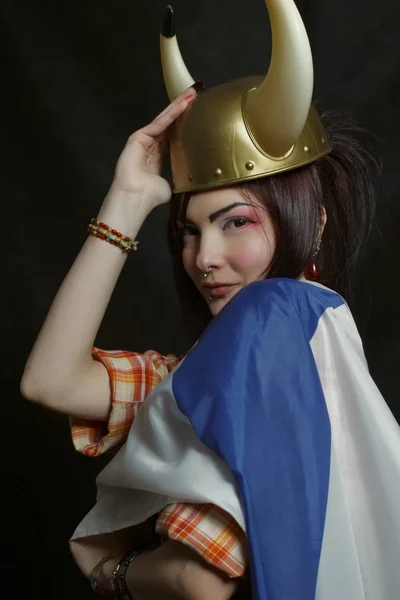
x: 79, y: 77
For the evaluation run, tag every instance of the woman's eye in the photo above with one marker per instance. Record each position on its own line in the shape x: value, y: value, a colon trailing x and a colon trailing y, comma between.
x: 237, y: 222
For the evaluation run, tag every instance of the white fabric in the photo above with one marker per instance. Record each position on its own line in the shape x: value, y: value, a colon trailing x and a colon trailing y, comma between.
x: 360, y: 557
x: 163, y: 462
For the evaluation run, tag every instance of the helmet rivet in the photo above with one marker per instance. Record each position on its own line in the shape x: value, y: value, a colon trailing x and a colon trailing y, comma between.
x: 250, y: 165
x: 323, y: 140
x: 218, y: 172
x: 307, y: 149
x: 190, y: 177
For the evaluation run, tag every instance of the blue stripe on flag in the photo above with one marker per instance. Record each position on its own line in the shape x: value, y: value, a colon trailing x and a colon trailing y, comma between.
x: 251, y: 390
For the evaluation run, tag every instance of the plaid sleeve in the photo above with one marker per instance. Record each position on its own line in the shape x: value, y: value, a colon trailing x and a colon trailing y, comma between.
x: 208, y: 530
x: 132, y: 377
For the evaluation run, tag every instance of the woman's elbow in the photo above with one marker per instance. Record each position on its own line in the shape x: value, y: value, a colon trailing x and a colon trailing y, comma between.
x: 31, y: 389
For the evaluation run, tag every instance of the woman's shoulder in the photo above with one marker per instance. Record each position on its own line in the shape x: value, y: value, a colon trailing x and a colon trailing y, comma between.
x: 278, y: 304
x: 301, y: 295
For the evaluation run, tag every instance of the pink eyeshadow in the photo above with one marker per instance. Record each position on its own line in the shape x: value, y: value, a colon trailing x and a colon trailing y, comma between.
x: 243, y: 211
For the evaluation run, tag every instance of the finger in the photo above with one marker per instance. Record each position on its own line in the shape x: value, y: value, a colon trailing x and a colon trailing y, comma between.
x: 176, y: 108
x: 161, y: 124
x: 187, y: 94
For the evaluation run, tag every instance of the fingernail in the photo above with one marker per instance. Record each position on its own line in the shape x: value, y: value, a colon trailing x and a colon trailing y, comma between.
x: 188, y: 95
x: 199, y: 86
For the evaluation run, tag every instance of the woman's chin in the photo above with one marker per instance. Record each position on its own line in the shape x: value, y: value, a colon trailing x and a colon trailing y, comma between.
x: 217, y: 304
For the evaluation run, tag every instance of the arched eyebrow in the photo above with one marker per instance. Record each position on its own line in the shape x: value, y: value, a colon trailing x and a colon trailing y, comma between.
x: 219, y: 212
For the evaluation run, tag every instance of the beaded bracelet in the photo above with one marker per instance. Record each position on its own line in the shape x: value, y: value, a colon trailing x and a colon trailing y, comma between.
x: 94, y: 575
x: 104, y: 232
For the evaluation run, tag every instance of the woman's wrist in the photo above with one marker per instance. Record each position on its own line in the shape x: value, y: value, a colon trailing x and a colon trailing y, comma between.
x: 132, y: 576
x: 124, y: 211
x: 148, y: 577
x: 174, y: 571
x: 104, y: 578
x: 171, y: 572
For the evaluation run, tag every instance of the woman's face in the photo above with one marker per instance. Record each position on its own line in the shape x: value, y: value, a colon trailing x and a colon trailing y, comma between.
x: 232, y: 236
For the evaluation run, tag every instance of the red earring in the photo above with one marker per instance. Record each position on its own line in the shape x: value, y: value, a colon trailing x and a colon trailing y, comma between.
x: 312, y: 271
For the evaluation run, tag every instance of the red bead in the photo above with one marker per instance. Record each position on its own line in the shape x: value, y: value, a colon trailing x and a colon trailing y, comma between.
x: 119, y: 234
x: 114, y: 231
x: 126, y: 239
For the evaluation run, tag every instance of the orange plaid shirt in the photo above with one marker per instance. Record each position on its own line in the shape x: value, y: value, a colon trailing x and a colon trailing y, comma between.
x: 206, y: 528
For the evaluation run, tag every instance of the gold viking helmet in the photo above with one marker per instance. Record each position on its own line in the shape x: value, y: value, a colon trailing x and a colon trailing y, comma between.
x: 250, y: 127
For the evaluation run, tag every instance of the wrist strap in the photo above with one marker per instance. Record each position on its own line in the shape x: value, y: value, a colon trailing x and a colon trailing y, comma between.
x: 118, y: 583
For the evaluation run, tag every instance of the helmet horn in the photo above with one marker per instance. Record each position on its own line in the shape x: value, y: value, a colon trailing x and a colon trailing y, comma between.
x: 277, y: 110
x: 176, y: 76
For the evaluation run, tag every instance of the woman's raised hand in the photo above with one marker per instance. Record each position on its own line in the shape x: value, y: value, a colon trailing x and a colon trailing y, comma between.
x: 138, y: 170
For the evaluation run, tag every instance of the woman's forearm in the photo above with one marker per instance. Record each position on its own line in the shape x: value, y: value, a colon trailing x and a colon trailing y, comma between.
x: 173, y: 571
x: 62, y: 352
x: 176, y: 572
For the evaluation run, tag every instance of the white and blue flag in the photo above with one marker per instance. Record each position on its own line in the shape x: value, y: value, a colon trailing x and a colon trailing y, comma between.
x: 274, y: 417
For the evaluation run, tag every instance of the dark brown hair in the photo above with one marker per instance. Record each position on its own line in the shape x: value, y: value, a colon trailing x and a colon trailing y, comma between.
x: 342, y: 183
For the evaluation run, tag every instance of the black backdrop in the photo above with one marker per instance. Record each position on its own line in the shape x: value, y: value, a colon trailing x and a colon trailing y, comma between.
x: 79, y: 77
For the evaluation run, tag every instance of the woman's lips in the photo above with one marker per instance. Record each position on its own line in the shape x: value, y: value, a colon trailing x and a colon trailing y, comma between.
x: 219, y: 290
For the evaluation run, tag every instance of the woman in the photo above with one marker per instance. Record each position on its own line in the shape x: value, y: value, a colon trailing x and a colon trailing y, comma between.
x: 259, y: 428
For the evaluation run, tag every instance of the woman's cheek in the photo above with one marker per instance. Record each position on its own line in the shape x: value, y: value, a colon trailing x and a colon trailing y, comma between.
x: 252, y: 257
x: 246, y: 257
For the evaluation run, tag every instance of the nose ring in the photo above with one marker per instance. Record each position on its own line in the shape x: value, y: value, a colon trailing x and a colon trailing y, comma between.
x: 205, y: 275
